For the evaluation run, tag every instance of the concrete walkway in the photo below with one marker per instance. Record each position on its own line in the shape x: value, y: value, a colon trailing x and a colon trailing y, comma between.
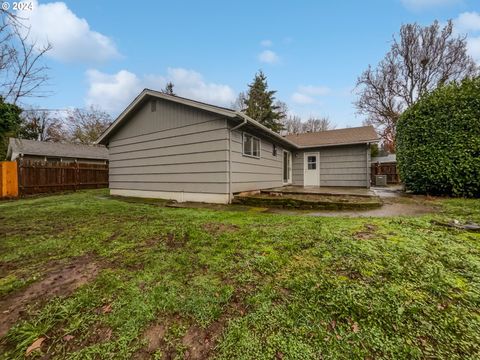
x: 322, y: 190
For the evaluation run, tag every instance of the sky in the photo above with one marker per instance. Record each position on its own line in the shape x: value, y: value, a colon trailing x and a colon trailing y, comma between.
x: 105, y: 52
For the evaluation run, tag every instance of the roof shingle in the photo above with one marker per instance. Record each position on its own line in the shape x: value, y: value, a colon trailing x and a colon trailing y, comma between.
x: 42, y: 148
x: 346, y: 136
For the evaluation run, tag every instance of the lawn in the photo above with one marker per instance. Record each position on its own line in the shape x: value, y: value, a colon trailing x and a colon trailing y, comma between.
x: 84, y: 275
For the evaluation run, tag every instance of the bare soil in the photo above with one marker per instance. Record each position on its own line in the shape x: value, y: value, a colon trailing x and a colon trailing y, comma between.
x: 219, y: 228
x: 391, y: 207
x: 368, y: 232
x: 198, y: 341
x: 61, y: 280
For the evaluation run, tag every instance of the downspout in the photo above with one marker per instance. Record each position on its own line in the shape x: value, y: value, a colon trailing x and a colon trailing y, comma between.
x: 368, y: 168
x: 230, y: 194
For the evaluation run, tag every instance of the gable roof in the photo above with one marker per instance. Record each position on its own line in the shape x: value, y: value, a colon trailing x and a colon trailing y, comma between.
x: 348, y: 136
x: 229, y: 113
x: 42, y: 148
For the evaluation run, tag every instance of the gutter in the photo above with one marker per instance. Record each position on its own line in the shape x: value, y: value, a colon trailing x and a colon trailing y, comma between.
x: 244, y: 122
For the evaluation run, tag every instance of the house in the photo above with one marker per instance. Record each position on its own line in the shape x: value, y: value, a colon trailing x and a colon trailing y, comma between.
x: 175, y: 148
x: 49, y: 151
x: 386, y: 159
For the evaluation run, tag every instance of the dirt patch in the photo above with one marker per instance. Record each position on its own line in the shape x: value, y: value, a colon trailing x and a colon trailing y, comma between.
x: 391, y: 207
x: 368, y: 232
x: 61, y: 280
x: 154, y: 336
x: 174, y: 242
x: 99, y: 334
x: 219, y: 228
x: 200, y: 342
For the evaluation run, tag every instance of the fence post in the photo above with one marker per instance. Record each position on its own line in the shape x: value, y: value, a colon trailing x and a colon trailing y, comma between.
x: 20, y: 175
x: 76, y: 175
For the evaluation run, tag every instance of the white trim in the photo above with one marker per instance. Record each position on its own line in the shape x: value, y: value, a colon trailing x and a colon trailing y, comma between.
x: 305, y: 166
x: 253, y: 138
x: 290, y: 173
x: 174, y: 195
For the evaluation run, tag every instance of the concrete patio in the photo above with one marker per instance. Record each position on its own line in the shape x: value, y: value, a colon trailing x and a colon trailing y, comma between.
x: 322, y: 190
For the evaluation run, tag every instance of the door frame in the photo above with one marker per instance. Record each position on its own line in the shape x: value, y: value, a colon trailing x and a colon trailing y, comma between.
x: 305, y: 166
x: 290, y: 172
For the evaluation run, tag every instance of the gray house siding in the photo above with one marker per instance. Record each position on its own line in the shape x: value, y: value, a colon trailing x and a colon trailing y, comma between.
x: 250, y: 173
x: 339, y: 166
x: 297, y: 168
x: 170, y: 148
x: 344, y: 166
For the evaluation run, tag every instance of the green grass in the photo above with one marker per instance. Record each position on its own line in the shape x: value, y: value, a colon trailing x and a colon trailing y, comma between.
x: 271, y: 285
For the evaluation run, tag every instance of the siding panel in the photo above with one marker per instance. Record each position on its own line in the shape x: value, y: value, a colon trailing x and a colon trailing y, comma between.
x: 173, y: 149
x: 253, y: 174
x: 344, y: 166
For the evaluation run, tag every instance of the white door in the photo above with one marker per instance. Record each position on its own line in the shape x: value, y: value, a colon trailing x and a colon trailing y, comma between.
x: 312, y: 169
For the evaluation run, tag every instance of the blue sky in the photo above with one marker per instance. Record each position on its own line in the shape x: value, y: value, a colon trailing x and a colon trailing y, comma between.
x: 312, y: 52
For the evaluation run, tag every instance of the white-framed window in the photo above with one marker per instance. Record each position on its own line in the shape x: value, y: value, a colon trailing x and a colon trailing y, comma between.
x: 251, y: 146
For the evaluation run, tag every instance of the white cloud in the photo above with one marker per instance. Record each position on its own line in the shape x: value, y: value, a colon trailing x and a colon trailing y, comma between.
x: 302, y: 99
x: 190, y: 84
x: 469, y: 23
x: 473, y: 48
x: 113, y: 92
x: 71, y: 36
x: 307, y: 94
x: 314, y: 90
x: 266, y: 43
x: 268, y: 56
x: 418, y: 5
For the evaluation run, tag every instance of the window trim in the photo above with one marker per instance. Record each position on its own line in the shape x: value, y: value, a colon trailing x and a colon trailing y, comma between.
x: 259, y: 146
x: 290, y: 169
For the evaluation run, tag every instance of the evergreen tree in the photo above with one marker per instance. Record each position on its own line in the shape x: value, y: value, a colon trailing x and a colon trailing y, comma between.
x: 168, y: 89
x: 10, y: 123
x: 260, y: 104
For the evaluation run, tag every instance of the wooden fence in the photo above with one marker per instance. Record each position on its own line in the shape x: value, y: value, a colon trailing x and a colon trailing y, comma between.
x: 8, y: 179
x: 35, y: 177
x: 389, y: 169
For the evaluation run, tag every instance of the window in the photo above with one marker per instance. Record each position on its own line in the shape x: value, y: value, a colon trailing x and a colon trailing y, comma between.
x: 312, y: 162
x: 251, y: 145
x: 274, y: 151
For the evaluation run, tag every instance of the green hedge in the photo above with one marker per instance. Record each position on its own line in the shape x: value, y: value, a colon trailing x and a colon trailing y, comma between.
x: 438, y: 142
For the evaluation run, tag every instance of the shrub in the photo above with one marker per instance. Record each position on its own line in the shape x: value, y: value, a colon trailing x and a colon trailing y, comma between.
x: 438, y: 141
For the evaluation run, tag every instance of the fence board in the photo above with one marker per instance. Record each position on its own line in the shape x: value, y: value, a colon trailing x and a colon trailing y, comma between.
x: 389, y: 169
x: 36, y: 177
x: 8, y: 179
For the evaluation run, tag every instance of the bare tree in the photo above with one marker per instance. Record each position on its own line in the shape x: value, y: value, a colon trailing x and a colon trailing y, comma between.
x: 86, y: 125
x: 420, y: 60
x: 292, y: 125
x: 317, y: 124
x: 42, y: 125
x: 22, y: 73
x: 239, y: 103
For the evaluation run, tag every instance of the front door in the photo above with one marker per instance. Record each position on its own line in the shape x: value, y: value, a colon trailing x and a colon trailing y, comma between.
x: 312, y: 169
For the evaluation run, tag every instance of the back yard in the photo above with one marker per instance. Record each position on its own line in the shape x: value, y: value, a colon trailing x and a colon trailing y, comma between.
x: 88, y: 276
